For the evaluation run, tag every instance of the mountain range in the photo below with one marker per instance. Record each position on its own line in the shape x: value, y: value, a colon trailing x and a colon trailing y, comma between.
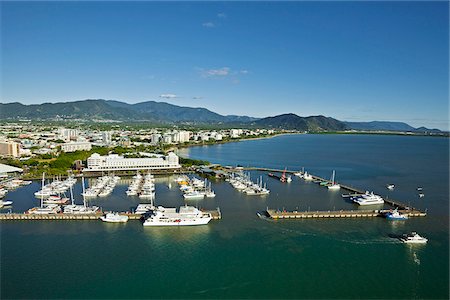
x: 165, y: 113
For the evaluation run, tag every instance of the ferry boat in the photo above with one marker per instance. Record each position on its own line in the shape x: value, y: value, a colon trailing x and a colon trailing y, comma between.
x: 368, y: 199
x: 395, y: 215
x: 413, y: 238
x: 114, y: 218
x: 187, y: 216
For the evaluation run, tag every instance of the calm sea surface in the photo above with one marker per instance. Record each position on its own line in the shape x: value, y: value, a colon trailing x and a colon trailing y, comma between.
x: 242, y: 256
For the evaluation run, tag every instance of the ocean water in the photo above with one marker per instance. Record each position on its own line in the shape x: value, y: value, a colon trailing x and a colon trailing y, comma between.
x: 242, y: 256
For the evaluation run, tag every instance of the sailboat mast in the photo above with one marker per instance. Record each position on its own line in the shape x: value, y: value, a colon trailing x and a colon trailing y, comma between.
x: 84, y: 196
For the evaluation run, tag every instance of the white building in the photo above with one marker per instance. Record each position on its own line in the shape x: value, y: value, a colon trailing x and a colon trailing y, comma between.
x: 106, y: 137
x: 114, y: 162
x: 235, y: 133
x: 181, y: 136
x: 76, y: 146
x: 68, y: 134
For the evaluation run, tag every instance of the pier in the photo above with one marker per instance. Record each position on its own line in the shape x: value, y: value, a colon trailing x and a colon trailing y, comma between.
x: 215, y: 214
x: 276, y: 214
x: 352, y: 190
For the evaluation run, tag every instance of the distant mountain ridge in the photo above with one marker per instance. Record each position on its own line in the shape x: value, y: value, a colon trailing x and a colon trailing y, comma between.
x: 166, y: 113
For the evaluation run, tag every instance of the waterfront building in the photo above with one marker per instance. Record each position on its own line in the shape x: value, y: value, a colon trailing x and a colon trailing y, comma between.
x: 7, y: 169
x: 114, y: 162
x: 10, y: 149
x: 235, y: 133
x: 76, y: 146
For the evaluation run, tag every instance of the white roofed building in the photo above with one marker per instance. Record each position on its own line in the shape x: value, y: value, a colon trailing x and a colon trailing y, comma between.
x: 114, y: 162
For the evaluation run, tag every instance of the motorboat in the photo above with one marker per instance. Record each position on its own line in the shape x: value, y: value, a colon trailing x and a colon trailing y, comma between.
x: 390, y: 186
x: 5, y: 203
x: 368, y: 199
x: 413, y: 238
x: 395, y: 215
x: 195, y: 195
x: 143, y: 208
x: 114, y: 217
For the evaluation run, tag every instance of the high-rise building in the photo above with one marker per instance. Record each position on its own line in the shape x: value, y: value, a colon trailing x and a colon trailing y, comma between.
x: 10, y: 149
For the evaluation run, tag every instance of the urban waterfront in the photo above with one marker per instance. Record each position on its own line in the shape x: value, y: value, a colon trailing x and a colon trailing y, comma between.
x: 242, y: 256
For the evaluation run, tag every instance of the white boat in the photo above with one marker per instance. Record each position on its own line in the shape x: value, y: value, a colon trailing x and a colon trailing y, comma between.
x: 413, y: 238
x: 143, y: 208
x: 368, y: 199
x: 45, y: 210
x: 5, y: 203
x: 390, y: 186
x: 395, y: 215
x: 187, y: 216
x: 195, y: 195
x: 79, y: 209
x: 114, y: 218
x: 334, y: 185
x: 307, y: 176
x: 421, y: 195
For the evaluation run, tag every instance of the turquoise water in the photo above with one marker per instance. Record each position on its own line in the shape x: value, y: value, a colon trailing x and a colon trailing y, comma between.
x: 242, y: 256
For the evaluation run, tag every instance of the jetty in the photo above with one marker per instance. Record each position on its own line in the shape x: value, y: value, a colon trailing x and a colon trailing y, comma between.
x: 350, y: 189
x: 216, y: 215
x: 277, y: 214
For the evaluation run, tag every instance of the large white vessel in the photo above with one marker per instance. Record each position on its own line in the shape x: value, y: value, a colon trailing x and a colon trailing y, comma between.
x: 413, y: 238
x: 368, y: 199
x: 187, y: 215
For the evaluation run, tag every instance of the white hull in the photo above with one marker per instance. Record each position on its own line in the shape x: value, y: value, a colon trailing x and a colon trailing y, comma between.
x: 200, y: 221
x: 362, y: 203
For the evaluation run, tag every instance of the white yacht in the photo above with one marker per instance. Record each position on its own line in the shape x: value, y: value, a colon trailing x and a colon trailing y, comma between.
x: 368, y: 199
x: 413, y: 238
x: 45, y: 210
x: 187, y: 215
x: 5, y: 203
x: 143, y: 208
x: 195, y: 195
x: 114, y: 218
x: 79, y: 209
x: 390, y: 186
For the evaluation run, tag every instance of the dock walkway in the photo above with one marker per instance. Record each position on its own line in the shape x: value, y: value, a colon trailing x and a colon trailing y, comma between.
x: 216, y: 215
x: 276, y: 214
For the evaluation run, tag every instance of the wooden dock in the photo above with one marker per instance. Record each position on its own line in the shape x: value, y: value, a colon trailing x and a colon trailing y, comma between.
x: 277, y: 214
x: 216, y: 215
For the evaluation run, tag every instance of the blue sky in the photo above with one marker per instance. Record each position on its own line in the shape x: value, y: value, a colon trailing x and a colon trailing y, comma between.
x: 355, y: 61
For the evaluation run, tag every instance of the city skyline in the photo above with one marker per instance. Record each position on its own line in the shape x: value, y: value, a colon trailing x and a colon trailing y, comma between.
x: 350, y: 61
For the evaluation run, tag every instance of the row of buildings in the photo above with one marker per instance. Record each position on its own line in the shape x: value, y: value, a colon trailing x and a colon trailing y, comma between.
x: 25, y: 140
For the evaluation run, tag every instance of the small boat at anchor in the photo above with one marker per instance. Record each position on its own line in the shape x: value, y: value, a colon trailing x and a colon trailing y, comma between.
x: 390, y: 186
